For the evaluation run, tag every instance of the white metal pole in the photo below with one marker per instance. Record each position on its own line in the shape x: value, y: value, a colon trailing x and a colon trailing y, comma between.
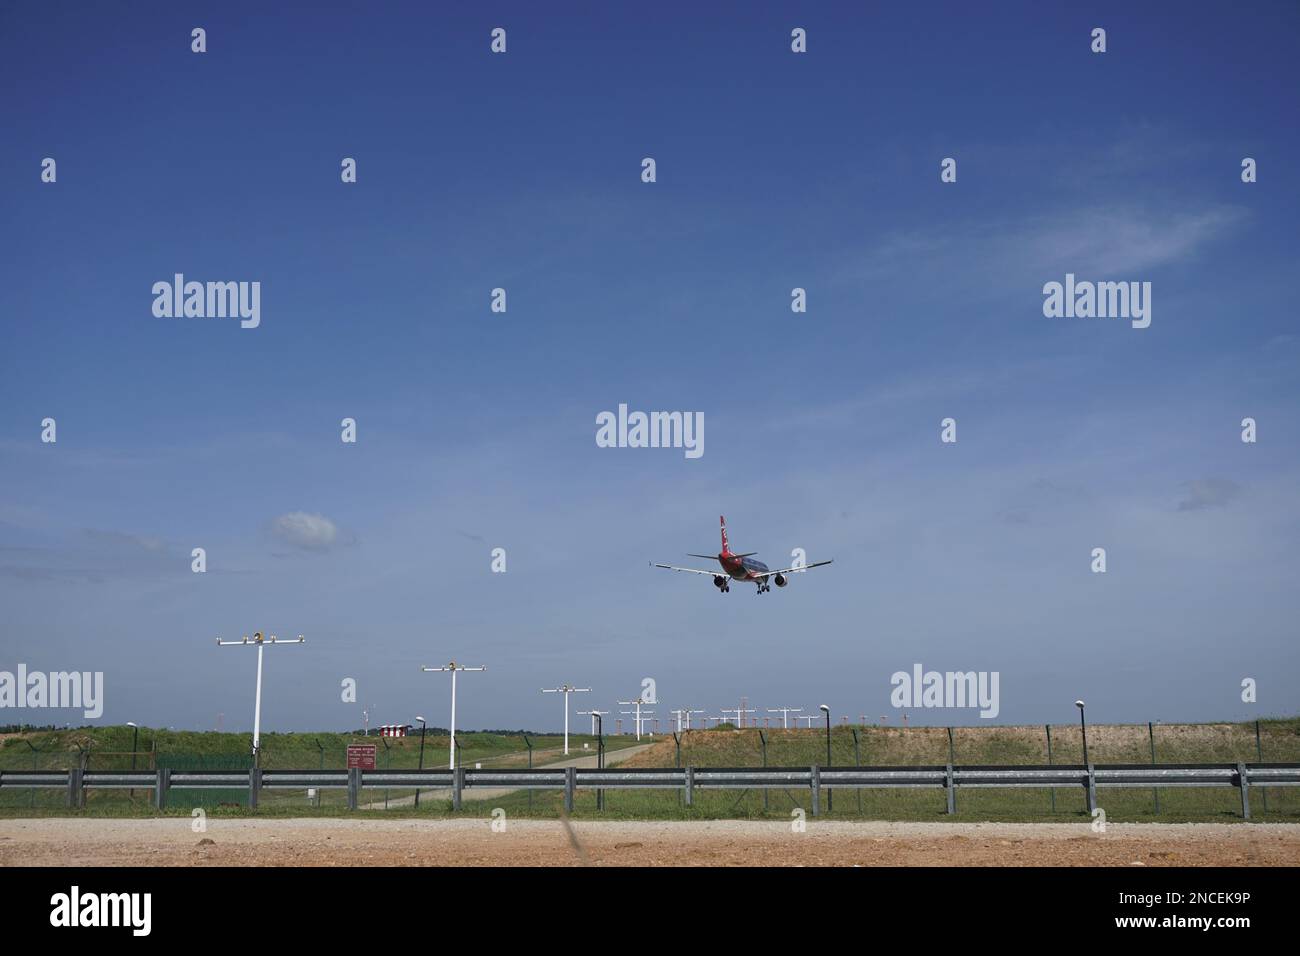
x: 593, y: 714
x: 259, y: 643
x: 452, y: 667
x: 257, y: 705
x: 637, y: 713
x: 566, y: 689
x: 453, y: 718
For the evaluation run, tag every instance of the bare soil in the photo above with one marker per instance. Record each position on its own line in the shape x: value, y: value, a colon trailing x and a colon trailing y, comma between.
x: 339, y: 842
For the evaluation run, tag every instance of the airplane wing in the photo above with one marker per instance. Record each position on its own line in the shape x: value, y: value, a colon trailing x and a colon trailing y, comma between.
x: 815, y: 564
x: 692, y: 570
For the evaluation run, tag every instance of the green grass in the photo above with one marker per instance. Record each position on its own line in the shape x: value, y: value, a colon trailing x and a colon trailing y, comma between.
x: 723, y: 747
x: 109, y: 748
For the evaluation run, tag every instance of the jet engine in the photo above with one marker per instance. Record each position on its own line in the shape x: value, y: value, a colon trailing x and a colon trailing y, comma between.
x: 780, y: 581
x: 719, y: 581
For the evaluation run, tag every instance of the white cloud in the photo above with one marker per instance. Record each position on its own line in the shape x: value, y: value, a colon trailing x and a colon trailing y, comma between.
x: 310, y: 532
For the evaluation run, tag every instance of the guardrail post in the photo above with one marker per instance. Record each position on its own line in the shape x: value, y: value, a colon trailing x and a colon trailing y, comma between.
x: 160, y: 787
x: 816, y: 790
x: 949, y: 784
x: 75, y: 791
x: 570, y: 781
x: 689, y: 794
x: 254, y: 786
x: 1244, y: 783
x: 354, y: 787
x: 457, y: 786
x: 1092, y: 789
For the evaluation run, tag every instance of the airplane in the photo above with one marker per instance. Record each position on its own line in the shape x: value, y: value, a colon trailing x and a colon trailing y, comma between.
x: 742, y: 567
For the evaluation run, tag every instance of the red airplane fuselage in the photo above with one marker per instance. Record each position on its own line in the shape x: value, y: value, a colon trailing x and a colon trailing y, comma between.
x: 739, y: 567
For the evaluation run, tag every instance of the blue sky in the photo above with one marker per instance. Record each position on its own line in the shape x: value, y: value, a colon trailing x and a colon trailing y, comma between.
x: 476, y: 430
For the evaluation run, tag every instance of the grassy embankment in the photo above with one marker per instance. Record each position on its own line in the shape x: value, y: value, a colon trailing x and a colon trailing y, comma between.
x: 726, y: 747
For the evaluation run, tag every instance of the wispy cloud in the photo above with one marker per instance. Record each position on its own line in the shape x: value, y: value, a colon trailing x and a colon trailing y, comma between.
x: 91, y: 555
x: 1114, y: 240
x: 910, y: 391
x: 121, y: 539
x: 1209, y: 493
x: 1120, y: 239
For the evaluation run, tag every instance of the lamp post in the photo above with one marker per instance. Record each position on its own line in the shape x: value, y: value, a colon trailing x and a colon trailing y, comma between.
x: 595, y: 716
x: 1083, y: 726
x: 423, y: 725
x: 452, y: 668
x: 260, y: 643
x: 827, y: 711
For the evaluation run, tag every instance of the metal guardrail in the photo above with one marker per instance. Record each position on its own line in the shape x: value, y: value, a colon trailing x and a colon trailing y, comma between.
x: 689, y: 779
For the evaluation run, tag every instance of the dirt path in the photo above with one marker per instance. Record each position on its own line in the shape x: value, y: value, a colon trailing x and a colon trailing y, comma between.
x: 341, y: 842
x: 611, y: 757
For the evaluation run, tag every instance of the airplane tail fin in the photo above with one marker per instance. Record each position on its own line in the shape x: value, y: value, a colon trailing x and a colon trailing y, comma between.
x: 725, y: 548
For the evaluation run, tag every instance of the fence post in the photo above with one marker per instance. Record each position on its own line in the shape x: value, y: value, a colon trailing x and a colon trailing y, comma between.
x: 1155, y: 791
x: 1049, y: 761
x: 254, y: 786
x: 1244, y: 783
x: 949, y: 785
x: 1092, y: 789
x: 354, y: 787
x: 690, y: 785
x: 816, y: 790
x: 457, y: 785
x: 857, y: 762
x: 1259, y: 758
x: 160, y: 787
x: 570, y: 781
x: 75, y: 791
